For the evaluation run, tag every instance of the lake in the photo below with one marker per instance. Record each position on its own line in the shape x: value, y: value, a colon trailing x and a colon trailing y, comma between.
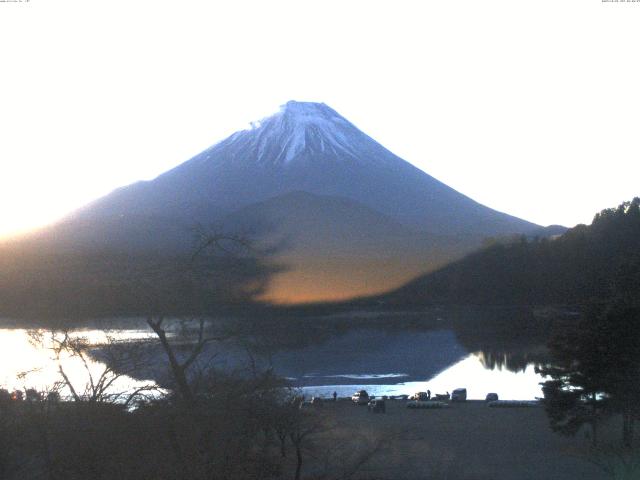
x: 469, y: 373
x: 381, y: 360
x: 26, y: 362
x: 387, y: 362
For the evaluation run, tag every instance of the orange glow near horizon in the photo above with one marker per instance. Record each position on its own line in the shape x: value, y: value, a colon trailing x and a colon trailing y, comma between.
x: 309, y: 282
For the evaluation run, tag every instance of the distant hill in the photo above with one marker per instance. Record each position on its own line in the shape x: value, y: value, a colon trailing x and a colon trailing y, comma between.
x: 586, y: 263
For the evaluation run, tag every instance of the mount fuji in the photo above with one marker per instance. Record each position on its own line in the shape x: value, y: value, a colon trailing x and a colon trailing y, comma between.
x: 306, y: 147
x: 353, y: 217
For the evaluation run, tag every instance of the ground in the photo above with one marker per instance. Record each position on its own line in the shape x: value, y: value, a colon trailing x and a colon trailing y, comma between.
x: 468, y: 441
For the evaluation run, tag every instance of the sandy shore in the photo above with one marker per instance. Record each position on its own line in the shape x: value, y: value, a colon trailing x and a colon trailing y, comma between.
x: 465, y: 441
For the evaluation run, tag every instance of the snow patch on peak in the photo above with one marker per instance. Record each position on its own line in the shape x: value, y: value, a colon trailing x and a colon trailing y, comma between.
x: 310, y: 112
x: 298, y: 128
x: 323, y: 126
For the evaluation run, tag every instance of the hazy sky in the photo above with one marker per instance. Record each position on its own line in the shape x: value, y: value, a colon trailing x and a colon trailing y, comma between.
x: 530, y: 107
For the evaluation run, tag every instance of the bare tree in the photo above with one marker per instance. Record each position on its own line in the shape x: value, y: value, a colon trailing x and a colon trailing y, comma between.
x: 180, y: 367
x: 198, y: 280
x: 120, y: 359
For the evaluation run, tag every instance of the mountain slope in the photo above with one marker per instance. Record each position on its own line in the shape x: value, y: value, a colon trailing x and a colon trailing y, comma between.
x: 349, y: 217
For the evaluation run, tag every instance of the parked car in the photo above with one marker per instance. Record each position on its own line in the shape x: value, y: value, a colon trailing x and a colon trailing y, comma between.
x: 377, y: 405
x: 459, y: 395
x: 360, y: 398
x: 491, y: 397
x: 421, y: 396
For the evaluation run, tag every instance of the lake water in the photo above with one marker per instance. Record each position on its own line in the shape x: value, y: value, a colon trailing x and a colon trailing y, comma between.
x: 387, y: 362
x: 26, y: 363
x: 384, y: 362
x: 469, y: 373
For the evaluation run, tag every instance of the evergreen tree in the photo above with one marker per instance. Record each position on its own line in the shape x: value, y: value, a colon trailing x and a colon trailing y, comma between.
x: 596, y: 370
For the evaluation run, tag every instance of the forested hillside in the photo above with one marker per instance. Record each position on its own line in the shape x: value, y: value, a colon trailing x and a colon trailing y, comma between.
x: 586, y: 263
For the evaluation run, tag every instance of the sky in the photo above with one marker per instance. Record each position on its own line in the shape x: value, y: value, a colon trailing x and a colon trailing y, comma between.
x: 529, y: 107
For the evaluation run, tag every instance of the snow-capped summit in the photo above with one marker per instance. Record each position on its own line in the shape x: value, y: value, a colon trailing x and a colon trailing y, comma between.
x: 306, y: 113
x: 299, y: 128
x: 309, y: 109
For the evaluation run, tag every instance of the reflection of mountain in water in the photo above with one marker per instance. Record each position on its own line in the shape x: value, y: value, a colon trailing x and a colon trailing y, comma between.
x: 373, y: 353
x: 382, y: 350
x: 370, y: 355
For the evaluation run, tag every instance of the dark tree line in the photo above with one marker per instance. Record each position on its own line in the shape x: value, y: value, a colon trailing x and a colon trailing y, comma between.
x: 579, y: 267
x: 596, y: 371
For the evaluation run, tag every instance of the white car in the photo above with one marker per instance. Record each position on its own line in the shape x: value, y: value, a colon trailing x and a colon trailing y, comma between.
x: 361, y: 397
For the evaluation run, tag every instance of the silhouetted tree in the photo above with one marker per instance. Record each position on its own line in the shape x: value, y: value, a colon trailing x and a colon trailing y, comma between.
x: 596, y: 370
x: 100, y: 381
